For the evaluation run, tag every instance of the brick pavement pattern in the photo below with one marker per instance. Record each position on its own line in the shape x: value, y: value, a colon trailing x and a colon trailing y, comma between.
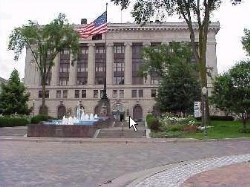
x: 176, y: 174
x: 233, y: 175
x: 41, y: 163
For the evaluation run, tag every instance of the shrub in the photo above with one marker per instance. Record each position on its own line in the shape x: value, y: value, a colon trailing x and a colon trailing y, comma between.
x: 38, y: 118
x: 220, y: 118
x: 153, y: 122
x: 7, y: 121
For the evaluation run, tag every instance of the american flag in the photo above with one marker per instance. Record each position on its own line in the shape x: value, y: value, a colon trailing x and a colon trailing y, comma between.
x: 98, y: 26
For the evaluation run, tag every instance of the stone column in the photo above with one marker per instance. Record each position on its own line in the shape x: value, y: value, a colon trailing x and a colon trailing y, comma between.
x: 55, y: 71
x: 91, y: 64
x: 109, y: 63
x: 128, y: 63
x: 72, y: 72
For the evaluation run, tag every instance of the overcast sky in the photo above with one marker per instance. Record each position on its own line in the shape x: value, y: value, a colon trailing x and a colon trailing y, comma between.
x: 14, y: 13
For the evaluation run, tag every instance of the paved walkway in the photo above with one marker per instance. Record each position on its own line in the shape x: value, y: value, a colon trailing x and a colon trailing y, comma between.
x: 208, y: 173
x: 121, y: 162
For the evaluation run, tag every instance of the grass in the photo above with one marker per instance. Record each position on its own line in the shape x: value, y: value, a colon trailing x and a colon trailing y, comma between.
x: 220, y: 130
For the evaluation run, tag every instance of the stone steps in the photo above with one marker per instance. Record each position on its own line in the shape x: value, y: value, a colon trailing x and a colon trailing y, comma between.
x: 122, y: 131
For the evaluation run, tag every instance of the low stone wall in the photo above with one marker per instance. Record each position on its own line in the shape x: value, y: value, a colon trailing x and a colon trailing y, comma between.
x: 83, y: 131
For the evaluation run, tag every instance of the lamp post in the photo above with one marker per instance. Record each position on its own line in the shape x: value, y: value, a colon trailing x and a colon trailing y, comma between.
x: 204, y: 115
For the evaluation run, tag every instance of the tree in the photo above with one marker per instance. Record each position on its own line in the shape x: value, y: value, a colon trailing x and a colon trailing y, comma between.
x: 232, y: 91
x: 45, y: 42
x: 246, y: 41
x: 196, y: 13
x: 158, y: 58
x: 13, y: 98
x: 179, y: 89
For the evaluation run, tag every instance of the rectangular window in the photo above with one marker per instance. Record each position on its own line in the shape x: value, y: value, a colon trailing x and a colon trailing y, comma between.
x: 100, y: 49
x: 65, y: 93
x: 84, y: 95
x: 81, y: 80
x: 99, y: 80
x: 114, y: 95
x: 153, y: 93
x: 134, y: 93
x: 58, y: 94
x: 77, y: 93
x: 119, y: 48
x: 63, y: 81
x: 121, y: 93
x: 64, y: 67
x: 140, y: 93
x: 95, y: 93
x: 46, y: 94
x: 118, y: 80
x: 84, y: 50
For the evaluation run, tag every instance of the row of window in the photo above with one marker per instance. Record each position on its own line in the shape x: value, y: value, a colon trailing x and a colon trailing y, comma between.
x: 83, y: 93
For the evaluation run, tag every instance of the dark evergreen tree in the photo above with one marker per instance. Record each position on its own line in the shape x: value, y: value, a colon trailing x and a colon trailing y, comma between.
x: 13, y: 98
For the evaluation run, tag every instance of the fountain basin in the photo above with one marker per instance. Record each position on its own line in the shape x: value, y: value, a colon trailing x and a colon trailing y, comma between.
x: 85, y: 129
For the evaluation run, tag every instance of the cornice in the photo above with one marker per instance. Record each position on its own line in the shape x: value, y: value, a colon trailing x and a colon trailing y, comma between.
x: 161, y: 26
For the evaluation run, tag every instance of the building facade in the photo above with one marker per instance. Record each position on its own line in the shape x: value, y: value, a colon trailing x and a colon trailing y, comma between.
x: 2, y: 80
x: 115, y: 55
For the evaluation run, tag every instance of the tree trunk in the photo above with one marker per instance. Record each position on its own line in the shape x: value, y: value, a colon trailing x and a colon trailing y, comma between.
x: 43, y: 110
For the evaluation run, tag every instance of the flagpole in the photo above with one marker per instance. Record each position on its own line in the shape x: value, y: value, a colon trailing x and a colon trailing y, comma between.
x: 105, y: 83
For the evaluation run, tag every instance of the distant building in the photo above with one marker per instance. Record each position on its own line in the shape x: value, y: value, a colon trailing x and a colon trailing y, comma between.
x: 128, y: 92
x: 2, y: 80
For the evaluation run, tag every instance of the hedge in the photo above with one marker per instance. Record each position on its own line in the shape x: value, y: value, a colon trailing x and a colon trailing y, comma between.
x: 38, y: 118
x: 6, y: 121
x: 220, y: 118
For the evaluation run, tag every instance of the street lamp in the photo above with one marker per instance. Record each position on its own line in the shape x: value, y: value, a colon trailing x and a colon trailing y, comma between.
x: 204, y: 116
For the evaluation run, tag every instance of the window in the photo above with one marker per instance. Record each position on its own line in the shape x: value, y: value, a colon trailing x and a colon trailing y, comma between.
x: 134, y: 93
x: 100, y: 49
x: 100, y: 67
x: 95, y: 93
x: 63, y: 81
x: 153, y: 93
x: 81, y: 80
x: 114, y: 95
x: 82, y: 67
x: 58, y: 94
x: 121, y: 93
x: 84, y: 50
x: 84, y: 94
x: 64, y: 67
x: 77, y: 93
x: 155, y: 80
x: 119, y: 48
x: 140, y: 93
x: 65, y: 93
x: 46, y: 94
x: 99, y: 80
x: 65, y: 52
x: 118, y: 66
x: 118, y: 80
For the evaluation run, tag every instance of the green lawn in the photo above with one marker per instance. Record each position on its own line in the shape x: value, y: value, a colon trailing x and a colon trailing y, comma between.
x: 220, y: 130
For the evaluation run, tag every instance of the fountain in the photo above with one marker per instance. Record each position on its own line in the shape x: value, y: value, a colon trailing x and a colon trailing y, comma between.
x: 80, y: 125
x: 81, y: 118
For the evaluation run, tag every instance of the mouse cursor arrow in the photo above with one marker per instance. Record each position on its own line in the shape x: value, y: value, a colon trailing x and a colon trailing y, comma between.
x: 132, y: 123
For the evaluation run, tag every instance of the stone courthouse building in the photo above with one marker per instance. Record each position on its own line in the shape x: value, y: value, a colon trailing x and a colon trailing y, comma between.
x: 119, y: 61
